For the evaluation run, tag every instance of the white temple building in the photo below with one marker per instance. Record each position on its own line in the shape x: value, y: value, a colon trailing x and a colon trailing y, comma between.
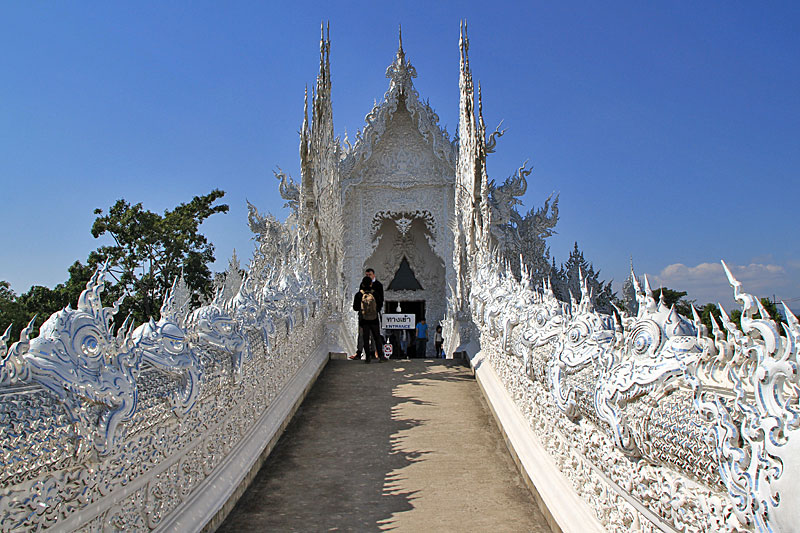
x: 635, y: 422
x: 396, y: 187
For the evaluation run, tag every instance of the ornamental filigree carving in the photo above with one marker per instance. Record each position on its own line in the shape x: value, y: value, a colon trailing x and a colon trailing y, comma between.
x: 403, y: 220
x: 401, y: 92
x: 696, y: 431
x: 157, y: 407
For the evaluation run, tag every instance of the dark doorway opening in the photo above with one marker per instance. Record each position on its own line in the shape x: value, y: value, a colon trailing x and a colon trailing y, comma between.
x: 415, y: 307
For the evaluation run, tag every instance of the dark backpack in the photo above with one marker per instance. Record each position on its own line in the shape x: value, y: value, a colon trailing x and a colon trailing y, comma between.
x: 369, y: 307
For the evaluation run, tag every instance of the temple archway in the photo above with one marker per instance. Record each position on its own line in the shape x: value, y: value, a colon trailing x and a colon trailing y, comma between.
x: 405, y: 261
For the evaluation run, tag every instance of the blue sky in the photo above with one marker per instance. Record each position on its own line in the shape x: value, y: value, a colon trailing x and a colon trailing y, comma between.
x: 671, y: 131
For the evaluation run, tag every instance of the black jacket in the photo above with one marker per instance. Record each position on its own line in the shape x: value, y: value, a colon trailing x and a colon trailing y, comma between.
x: 377, y: 290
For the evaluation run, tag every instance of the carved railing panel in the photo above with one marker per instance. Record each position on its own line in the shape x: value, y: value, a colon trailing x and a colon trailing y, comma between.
x: 105, y: 430
x: 657, y: 424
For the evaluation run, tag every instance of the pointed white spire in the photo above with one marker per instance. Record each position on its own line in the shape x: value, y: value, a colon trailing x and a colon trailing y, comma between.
x: 634, y: 280
x: 400, y: 51
x: 695, y: 316
x: 725, y: 317
x: 304, y: 131
x: 672, y: 317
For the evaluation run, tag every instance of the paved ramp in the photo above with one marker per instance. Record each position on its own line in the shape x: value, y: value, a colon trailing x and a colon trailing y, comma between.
x: 402, y: 445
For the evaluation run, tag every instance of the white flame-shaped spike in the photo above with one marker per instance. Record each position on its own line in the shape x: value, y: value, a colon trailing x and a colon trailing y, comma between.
x: 4, y: 341
x: 762, y: 311
x: 21, y: 346
x: 791, y: 319
x: 725, y: 317
x: 634, y: 280
x: 673, y: 317
x: 617, y: 316
x: 733, y: 281
x: 715, y: 329
x: 748, y: 301
x: 698, y: 323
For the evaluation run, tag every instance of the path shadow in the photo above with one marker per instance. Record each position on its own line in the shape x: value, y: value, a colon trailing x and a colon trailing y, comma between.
x: 339, y: 465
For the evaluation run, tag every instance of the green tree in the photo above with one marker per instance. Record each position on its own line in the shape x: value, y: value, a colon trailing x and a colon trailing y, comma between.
x: 736, y: 315
x: 148, y: 253
x: 150, y: 250
x: 40, y: 301
x: 676, y: 298
x: 566, y: 281
x: 11, y: 312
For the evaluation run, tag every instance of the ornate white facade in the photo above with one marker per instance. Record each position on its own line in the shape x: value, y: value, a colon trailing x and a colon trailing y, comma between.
x: 395, y: 184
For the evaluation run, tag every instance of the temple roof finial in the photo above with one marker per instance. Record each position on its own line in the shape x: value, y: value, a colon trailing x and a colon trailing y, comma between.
x: 400, y: 70
x: 400, y: 52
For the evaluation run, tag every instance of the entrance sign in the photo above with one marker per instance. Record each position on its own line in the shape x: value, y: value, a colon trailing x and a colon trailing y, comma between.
x: 398, y: 321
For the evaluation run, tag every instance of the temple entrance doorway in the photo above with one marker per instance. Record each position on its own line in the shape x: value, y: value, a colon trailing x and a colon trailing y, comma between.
x: 404, y: 259
x: 403, y: 340
x: 417, y: 307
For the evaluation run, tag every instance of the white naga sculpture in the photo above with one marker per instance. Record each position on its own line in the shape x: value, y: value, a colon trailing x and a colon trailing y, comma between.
x: 115, y: 431
x: 657, y: 424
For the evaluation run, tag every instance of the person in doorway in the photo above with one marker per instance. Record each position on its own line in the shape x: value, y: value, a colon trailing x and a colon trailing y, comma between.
x: 422, y: 337
x: 365, y: 303
x: 402, y: 339
x: 438, y: 341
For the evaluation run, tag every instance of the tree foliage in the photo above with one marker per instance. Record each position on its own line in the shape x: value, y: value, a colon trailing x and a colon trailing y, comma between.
x: 40, y: 301
x: 150, y: 250
x: 566, y: 281
x: 11, y: 312
x: 676, y: 298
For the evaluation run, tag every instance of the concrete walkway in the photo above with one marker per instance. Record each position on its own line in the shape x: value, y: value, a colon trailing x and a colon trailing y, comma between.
x: 402, y: 445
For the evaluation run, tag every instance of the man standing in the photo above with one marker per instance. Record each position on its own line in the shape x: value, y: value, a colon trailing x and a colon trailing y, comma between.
x: 422, y: 337
x: 377, y: 290
x: 364, y: 302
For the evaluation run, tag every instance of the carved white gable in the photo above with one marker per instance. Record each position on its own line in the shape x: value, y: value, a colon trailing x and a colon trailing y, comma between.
x: 400, y: 175
x: 399, y: 116
x: 402, y: 158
